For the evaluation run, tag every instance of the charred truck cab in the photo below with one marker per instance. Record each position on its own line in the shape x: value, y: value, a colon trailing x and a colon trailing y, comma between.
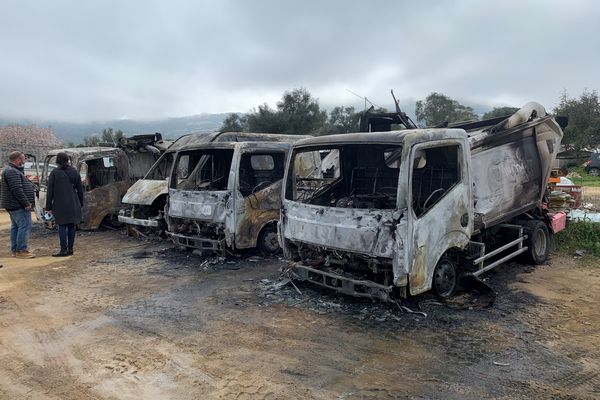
x: 145, y: 201
x: 106, y: 174
x: 227, y: 195
x: 389, y: 214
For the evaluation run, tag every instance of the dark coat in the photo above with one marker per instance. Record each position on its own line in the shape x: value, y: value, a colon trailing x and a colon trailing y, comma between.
x: 16, y: 192
x: 65, y: 195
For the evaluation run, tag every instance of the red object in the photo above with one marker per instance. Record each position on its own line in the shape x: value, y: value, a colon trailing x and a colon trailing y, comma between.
x: 558, y: 221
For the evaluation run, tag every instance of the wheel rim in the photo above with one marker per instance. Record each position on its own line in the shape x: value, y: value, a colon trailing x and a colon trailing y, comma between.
x: 445, y: 278
x: 270, y: 242
x: 539, y: 242
x: 594, y: 171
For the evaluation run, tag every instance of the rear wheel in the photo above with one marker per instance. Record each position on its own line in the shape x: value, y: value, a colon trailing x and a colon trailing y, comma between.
x: 268, y: 242
x: 594, y: 171
x: 538, y: 242
x: 445, y: 278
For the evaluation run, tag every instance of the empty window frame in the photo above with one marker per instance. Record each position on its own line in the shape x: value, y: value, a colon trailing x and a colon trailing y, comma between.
x: 162, y: 168
x: 435, y: 172
x: 206, y: 169
x: 258, y: 171
x: 100, y: 172
x: 346, y: 176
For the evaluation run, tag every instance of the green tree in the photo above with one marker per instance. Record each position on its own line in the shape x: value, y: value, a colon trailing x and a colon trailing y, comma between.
x: 234, y: 123
x: 438, y: 109
x: 297, y: 113
x: 301, y: 112
x: 583, y: 129
x: 500, y: 112
x: 342, y: 120
x: 91, y: 141
x: 264, y: 119
x: 110, y: 136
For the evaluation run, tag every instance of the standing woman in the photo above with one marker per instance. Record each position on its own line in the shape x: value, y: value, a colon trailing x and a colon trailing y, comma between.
x: 64, y: 200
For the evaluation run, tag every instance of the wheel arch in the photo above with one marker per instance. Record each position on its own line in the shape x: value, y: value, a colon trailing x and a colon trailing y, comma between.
x: 421, y: 276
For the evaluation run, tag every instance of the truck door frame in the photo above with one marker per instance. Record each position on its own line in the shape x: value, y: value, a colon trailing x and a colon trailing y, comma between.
x: 434, y: 231
x: 248, y: 220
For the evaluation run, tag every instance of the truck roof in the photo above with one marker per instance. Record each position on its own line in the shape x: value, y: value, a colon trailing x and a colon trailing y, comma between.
x: 84, y: 151
x: 233, y: 145
x: 390, y: 137
x: 196, y: 140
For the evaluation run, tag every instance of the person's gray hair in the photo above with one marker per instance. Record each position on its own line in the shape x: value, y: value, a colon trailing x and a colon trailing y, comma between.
x: 14, y: 155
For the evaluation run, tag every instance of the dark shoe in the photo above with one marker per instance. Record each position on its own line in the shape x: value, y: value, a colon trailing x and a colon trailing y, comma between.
x: 60, y: 254
x: 70, y: 252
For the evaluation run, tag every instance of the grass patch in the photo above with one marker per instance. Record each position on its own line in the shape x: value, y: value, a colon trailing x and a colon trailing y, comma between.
x: 586, y: 179
x: 579, y: 235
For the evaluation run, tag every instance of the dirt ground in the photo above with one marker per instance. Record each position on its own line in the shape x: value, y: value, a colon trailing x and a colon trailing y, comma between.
x: 126, y: 319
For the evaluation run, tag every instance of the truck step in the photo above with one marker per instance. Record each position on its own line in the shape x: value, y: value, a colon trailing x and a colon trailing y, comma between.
x: 518, y: 243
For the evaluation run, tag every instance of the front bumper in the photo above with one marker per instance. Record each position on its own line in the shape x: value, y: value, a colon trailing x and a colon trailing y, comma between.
x: 199, y: 243
x: 138, y: 221
x: 343, y: 284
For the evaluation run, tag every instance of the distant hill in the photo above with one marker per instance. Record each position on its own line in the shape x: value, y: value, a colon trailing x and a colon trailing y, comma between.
x: 170, y: 127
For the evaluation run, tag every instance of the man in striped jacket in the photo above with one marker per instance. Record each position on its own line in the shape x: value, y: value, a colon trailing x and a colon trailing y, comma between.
x: 18, y: 198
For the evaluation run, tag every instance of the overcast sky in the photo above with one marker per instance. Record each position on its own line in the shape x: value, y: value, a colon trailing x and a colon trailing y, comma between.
x: 94, y: 60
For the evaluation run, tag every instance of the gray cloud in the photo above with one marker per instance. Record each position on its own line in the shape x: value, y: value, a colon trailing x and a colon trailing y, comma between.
x: 76, y: 60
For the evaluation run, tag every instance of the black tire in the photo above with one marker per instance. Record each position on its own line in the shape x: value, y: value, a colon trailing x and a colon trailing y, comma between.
x: 539, y: 242
x: 445, y: 278
x: 594, y: 171
x: 268, y: 243
x: 112, y: 221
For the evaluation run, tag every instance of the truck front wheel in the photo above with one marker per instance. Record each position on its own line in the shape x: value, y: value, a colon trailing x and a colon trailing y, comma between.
x: 445, y: 278
x: 538, y: 242
x: 268, y: 243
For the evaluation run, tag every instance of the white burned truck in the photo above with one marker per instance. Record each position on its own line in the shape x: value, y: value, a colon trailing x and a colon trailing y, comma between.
x: 145, y: 201
x: 387, y: 214
x: 226, y: 194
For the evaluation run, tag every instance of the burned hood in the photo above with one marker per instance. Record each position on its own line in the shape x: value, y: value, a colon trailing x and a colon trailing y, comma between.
x: 364, y: 231
x: 145, y: 191
x: 198, y: 205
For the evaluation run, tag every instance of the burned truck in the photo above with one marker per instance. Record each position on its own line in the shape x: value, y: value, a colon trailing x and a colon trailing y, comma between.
x: 227, y: 195
x: 106, y: 174
x: 392, y: 214
x: 145, y: 201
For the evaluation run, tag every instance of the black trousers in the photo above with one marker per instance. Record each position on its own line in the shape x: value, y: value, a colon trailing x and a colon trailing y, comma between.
x: 66, y: 234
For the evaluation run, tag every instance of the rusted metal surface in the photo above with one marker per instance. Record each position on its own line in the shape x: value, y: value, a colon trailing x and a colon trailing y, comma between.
x: 106, y: 174
x: 449, y: 185
x: 102, y: 202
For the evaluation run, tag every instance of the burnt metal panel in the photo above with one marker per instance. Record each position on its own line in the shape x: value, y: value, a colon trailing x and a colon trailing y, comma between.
x: 199, y: 205
x: 145, y: 191
x: 363, y: 231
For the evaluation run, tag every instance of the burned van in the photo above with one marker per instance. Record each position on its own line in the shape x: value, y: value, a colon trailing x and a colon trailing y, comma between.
x: 402, y: 212
x: 227, y: 195
x: 145, y: 201
x: 106, y: 174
